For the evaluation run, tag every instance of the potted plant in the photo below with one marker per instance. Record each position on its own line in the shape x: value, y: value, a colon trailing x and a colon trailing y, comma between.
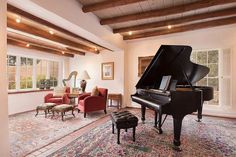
x: 47, y: 84
x: 42, y: 84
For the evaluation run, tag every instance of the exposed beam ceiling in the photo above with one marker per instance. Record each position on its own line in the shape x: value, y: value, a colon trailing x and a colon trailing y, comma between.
x: 175, y: 21
x: 41, y: 33
x: 190, y: 27
x: 165, y: 11
x: 40, y: 44
x: 107, y: 4
x: 36, y: 47
x: 154, y: 17
x: 29, y: 16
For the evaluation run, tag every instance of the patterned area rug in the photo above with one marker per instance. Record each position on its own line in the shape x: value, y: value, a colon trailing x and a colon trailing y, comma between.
x: 28, y: 133
x: 213, y: 137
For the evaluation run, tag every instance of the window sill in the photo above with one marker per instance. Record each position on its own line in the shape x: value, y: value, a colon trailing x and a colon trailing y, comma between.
x: 29, y: 91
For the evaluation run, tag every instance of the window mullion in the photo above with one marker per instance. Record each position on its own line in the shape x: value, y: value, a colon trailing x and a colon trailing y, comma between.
x: 18, y: 72
x: 34, y: 74
x: 48, y: 70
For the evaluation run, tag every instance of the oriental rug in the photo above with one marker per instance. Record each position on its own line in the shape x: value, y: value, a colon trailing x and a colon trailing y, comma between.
x: 29, y: 133
x: 213, y: 137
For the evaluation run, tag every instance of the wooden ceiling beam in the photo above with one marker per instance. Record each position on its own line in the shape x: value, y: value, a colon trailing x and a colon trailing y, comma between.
x: 166, y: 11
x: 29, y: 16
x: 67, y: 51
x: 43, y: 34
x: 75, y: 51
x: 35, y: 47
x: 190, y: 27
x: 175, y: 21
x: 107, y: 4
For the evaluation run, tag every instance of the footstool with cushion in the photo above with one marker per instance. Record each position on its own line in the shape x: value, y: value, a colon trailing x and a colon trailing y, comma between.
x: 63, y: 108
x: 46, y: 107
x: 123, y: 120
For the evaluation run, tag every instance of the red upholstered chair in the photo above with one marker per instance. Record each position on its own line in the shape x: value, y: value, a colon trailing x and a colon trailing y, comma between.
x: 88, y: 103
x: 49, y: 98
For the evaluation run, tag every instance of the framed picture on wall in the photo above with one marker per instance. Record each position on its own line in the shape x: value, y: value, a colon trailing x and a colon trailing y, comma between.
x: 108, y: 71
x: 143, y: 62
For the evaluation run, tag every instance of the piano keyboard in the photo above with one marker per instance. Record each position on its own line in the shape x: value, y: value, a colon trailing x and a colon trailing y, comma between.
x: 156, y: 91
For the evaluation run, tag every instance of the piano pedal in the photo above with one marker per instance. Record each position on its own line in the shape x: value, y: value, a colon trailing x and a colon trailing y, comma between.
x: 198, y: 120
x: 159, y: 130
x: 176, y: 148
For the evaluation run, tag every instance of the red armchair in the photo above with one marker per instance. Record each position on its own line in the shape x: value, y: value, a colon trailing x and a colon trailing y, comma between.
x: 88, y: 103
x: 49, y: 98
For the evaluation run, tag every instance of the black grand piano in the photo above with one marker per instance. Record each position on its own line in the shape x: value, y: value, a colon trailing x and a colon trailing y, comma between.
x: 180, y: 97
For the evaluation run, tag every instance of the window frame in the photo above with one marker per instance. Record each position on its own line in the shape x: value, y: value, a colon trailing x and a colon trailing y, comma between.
x: 207, y: 77
x: 46, y: 76
x: 34, y: 74
x: 27, y: 67
x: 11, y: 72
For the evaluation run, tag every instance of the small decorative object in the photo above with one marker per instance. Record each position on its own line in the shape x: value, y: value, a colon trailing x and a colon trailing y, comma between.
x: 47, y: 84
x: 83, y: 76
x: 143, y: 62
x: 95, y: 91
x: 42, y: 84
x: 108, y: 71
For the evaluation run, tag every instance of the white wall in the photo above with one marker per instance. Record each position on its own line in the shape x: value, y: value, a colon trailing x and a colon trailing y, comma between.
x: 219, y: 38
x: 4, y: 143
x: 28, y: 101
x: 92, y: 63
x: 18, y: 103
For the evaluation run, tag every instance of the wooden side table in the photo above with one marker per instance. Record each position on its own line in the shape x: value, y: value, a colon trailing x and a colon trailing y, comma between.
x: 114, y: 96
x: 72, y: 97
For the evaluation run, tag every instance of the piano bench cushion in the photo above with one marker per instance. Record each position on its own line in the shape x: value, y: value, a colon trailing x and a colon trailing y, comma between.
x: 124, y: 119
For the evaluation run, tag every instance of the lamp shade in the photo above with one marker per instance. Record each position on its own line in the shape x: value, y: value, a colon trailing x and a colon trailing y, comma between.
x: 84, y: 75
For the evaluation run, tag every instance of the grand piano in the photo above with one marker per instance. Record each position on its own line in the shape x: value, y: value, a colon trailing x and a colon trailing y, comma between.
x: 181, y: 96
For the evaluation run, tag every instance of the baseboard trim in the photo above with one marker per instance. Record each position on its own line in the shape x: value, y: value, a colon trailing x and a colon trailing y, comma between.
x: 15, y: 114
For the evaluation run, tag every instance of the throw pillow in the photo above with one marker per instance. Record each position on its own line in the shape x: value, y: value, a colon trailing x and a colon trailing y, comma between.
x: 59, y: 91
x: 95, y: 91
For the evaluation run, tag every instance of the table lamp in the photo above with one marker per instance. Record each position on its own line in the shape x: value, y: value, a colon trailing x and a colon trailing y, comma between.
x: 83, y: 77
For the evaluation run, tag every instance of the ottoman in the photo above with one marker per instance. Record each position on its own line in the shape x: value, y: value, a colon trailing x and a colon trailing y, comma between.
x: 46, y: 107
x: 63, y: 108
x: 123, y: 120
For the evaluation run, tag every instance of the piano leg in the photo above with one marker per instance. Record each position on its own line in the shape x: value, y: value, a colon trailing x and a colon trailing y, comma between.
x: 159, y: 116
x: 199, y: 113
x: 177, y: 133
x: 155, y: 124
x: 159, y: 122
x: 143, y: 110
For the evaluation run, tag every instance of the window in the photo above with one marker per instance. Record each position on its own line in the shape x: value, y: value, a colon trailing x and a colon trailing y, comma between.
x: 211, y: 60
x: 26, y: 73
x: 41, y: 71
x: 53, y: 68
x: 11, y: 71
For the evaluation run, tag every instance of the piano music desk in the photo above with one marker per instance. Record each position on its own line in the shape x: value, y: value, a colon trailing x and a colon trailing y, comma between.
x: 114, y: 96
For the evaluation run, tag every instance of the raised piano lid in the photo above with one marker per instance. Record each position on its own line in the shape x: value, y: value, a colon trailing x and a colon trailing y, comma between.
x: 172, y: 60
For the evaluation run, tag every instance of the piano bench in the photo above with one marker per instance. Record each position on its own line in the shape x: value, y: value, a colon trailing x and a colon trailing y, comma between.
x: 123, y: 120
